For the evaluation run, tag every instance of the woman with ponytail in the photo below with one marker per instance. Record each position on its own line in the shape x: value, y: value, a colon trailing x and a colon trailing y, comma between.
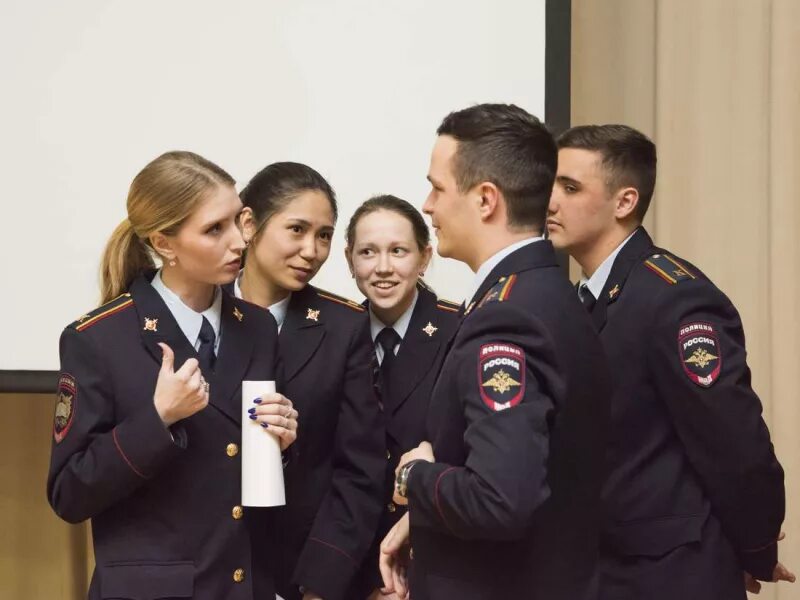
x: 333, y: 482
x: 388, y: 251
x: 147, y: 423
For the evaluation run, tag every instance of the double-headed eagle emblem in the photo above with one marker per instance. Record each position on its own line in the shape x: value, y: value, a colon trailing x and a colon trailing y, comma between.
x: 501, y: 382
x: 701, y: 357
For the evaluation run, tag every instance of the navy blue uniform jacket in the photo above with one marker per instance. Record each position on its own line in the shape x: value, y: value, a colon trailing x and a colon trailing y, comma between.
x: 163, y: 502
x: 518, y: 420
x: 334, y: 480
x: 695, y: 494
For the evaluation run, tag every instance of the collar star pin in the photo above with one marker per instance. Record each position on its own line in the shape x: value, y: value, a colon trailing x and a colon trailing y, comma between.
x: 312, y: 315
x: 430, y: 329
x: 150, y: 324
x: 613, y: 292
x: 238, y: 314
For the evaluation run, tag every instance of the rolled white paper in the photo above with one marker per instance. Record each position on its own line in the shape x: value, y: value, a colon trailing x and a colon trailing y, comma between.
x: 262, y: 467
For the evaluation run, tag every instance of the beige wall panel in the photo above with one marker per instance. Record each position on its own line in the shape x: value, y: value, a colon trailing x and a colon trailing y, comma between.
x: 713, y: 135
x: 41, y: 557
x: 785, y: 265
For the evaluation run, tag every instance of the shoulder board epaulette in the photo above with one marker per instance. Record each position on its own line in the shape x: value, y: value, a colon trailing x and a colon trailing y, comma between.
x: 500, y: 291
x: 341, y: 300
x: 447, y: 305
x: 668, y: 268
x: 114, y: 306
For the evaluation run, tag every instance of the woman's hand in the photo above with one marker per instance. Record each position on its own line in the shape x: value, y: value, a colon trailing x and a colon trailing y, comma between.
x: 179, y: 394
x: 277, y: 415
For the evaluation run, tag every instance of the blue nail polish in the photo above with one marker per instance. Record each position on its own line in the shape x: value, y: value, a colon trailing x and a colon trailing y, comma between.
x: 257, y: 401
x: 251, y: 410
x: 253, y: 417
x: 264, y: 425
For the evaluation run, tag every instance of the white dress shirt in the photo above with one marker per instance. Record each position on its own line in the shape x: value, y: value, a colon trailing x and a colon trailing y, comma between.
x: 187, y: 318
x: 400, y: 326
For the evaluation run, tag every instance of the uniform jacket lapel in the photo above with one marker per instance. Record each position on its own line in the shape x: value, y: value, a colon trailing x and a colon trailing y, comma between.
x: 632, y: 253
x: 233, y: 358
x: 417, y: 351
x: 234, y: 351
x: 303, y: 330
x: 157, y: 323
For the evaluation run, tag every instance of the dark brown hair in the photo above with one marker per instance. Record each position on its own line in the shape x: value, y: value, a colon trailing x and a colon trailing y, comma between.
x: 507, y: 146
x: 629, y: 157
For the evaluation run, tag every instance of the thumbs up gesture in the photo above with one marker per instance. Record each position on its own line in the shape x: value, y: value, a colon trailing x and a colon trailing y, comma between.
x: 179, y: 394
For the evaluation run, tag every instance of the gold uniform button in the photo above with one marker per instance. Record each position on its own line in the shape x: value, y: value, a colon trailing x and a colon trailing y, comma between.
x: 238, y: 575
x: 237, y: 512
x: 232, y: 449
x: 391, y: 507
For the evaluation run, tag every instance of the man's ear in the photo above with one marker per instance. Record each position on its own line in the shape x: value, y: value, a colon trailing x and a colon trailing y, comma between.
x: 163, y: 245
x: 247, y: 222
x: 626, y: 200
x: 489, y: 200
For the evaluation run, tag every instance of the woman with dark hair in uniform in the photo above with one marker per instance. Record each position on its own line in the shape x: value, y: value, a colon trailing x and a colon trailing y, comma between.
x: 388, y: 250
x: 335, y: 475
x: 147, y: 424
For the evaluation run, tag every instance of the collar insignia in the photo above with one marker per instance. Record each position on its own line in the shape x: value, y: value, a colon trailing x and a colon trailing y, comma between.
x: 430, y: 329
x: 312, y: 315
x: 150, y: 324
x: 238, y: 314
x: 612, y: 293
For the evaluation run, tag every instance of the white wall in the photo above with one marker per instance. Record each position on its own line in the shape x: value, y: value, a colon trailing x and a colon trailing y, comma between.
x: 93, y: 90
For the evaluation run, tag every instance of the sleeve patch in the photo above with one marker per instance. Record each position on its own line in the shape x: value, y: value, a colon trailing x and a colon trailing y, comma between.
x: 700, y: 353
x: 501, y: 375
x: 66, y: 396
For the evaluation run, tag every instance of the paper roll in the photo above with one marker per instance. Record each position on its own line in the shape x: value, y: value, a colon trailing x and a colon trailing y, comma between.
x: 262, y: 467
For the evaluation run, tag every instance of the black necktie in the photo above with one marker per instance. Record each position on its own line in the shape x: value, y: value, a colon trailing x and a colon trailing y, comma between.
x: 206, y: 350
x: 587, y: 298
x: 388, y: 338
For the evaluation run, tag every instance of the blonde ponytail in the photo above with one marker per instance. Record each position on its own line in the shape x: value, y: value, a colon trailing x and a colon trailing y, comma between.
x: 125, y: 257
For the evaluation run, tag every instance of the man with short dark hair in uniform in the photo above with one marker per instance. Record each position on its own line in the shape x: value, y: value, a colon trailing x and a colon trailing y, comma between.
x: 504, y: 501
x: 695, y: 495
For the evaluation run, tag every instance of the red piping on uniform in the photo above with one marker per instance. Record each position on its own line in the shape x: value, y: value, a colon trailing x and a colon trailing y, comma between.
x: 130, y: 464
x: 762, y: 547
x: 436, y: 493
x: 339, y: 550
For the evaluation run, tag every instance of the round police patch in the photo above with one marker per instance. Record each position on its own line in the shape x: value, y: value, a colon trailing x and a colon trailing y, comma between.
x: 501, y: 375
x: 65, y: 406
x: 700, y: 354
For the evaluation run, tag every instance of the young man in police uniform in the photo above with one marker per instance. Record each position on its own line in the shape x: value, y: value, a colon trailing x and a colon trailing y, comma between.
x: 504, y: 500
x: 695, y: 494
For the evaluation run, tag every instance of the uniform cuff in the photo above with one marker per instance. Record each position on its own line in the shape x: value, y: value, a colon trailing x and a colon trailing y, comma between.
x: 325, y: 569
x: 144, y: 442
x: 760, y: 563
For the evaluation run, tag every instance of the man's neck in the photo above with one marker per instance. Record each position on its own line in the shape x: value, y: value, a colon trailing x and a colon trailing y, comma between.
x: 492, y: 242
x: 593, y: 256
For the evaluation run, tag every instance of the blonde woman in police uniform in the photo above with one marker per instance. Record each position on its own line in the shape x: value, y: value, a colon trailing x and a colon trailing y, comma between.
x: 147, y: 427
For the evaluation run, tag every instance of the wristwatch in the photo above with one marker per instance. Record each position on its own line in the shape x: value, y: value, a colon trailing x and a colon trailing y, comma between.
x: 401, y: 482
